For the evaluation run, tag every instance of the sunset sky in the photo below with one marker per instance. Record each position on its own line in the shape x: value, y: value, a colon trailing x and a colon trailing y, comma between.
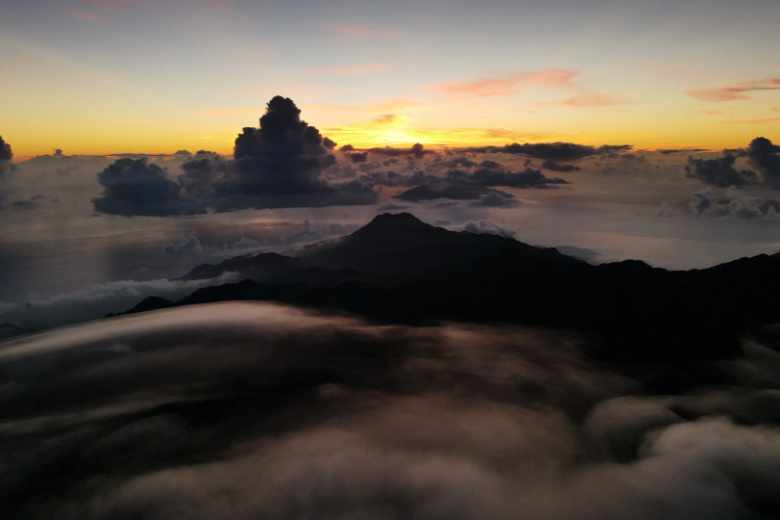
x: 106, y: 76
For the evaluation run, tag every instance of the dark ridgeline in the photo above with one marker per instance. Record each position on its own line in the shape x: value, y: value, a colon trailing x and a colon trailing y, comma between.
x: 400, y: 269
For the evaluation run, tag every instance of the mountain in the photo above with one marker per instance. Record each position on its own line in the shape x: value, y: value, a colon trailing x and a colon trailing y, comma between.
x: 400, y: 269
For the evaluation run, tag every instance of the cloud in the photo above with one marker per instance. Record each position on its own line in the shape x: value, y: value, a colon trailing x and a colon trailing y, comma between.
x: 136, y: 187
x: 357, y: 157
x: 765, y: 157
x: 559, y: 167
x: 391, y: 178
x: 248, y: 411
x: 590, y: 100
x: 417, y: 151
x: 6, y: 154
x: 559, y: 151
x: 736, y: 91
x: 720, y: 172
x: 454, y: 190
x: 507, y: 84
x: 278, y: 165
x: 528, y: 178
x: 726, y: 203
x: 482, y: 227
x: 96, y: 301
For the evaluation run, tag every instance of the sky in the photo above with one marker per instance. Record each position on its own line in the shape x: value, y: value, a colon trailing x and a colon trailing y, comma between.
x: 110, y: 76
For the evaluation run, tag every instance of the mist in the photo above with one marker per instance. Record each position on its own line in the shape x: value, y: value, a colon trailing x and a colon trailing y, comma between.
x: 272, y: 411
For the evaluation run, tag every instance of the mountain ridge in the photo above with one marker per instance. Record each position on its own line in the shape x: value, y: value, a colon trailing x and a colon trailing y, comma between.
x: 398, y: 268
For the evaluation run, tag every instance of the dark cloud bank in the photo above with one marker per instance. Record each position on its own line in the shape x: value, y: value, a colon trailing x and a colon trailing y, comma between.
x: 279, y: 164
x: 762, y: 155
x: 285, y: 162
x: 246, y: 411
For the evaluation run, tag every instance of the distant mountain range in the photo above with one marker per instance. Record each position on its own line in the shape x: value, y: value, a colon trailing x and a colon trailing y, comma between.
x: 400, y: 269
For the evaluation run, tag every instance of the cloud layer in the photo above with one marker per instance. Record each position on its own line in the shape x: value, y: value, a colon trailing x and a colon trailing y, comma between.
x: 270, y: 411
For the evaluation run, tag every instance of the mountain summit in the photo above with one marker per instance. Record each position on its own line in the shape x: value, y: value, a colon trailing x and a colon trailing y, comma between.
x: 397, y: 268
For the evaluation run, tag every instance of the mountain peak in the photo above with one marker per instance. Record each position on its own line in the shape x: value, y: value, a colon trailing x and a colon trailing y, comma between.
x: 393, y: 223
x: 396, y: 219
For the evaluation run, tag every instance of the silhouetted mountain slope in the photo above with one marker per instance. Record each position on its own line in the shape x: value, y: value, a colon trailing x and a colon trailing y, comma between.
x: 401, y: 244
x: 259, y: 266
x: 398, y: 268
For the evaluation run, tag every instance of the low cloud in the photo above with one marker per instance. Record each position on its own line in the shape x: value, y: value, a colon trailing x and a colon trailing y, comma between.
x: 555, y: 166
x: 272, y: 412
x: 725, y: 203
x: 137, y: 187
x: 6, y: 154
x: 735, y: 92
x: 97, y: 301
x: 280, y: 164
x: 456, y: 190
x: 559, y: 151
x: 765, y: 157
x: 507, y: 84
x: 497, y: 176
x: 720, y: 172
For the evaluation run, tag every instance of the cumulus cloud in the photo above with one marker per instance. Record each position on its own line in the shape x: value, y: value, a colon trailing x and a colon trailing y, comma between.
x: 765, y: 157
x: 272, y: 412
x: 6, y: 154
x: 725, y: 203
x: 279, y: 164
x: 482, y: 227
x: 137, y: 187
x: 720, y: 172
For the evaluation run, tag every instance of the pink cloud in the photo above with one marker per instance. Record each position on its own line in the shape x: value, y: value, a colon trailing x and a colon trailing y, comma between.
x: 735, y: 92
x: 588, y: 100
x: 506, y: 85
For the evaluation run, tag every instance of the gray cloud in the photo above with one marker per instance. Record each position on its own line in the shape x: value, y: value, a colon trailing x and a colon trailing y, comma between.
x: 447, y: 189
x: 278, y: 165
x: 720, y: 172
x: 559, y: 151
x: 765, y: 157
x: 272, y: 412
x: 137, y: 187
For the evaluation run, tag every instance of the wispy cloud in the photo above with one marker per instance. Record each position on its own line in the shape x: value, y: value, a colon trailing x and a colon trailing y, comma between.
x: 736, y: 91
x: 591, y: 100
x: 758, y: 121
x: 507, y: 84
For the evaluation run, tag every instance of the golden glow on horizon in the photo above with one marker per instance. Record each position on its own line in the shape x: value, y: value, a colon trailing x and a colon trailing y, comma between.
x: 643, y: 129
